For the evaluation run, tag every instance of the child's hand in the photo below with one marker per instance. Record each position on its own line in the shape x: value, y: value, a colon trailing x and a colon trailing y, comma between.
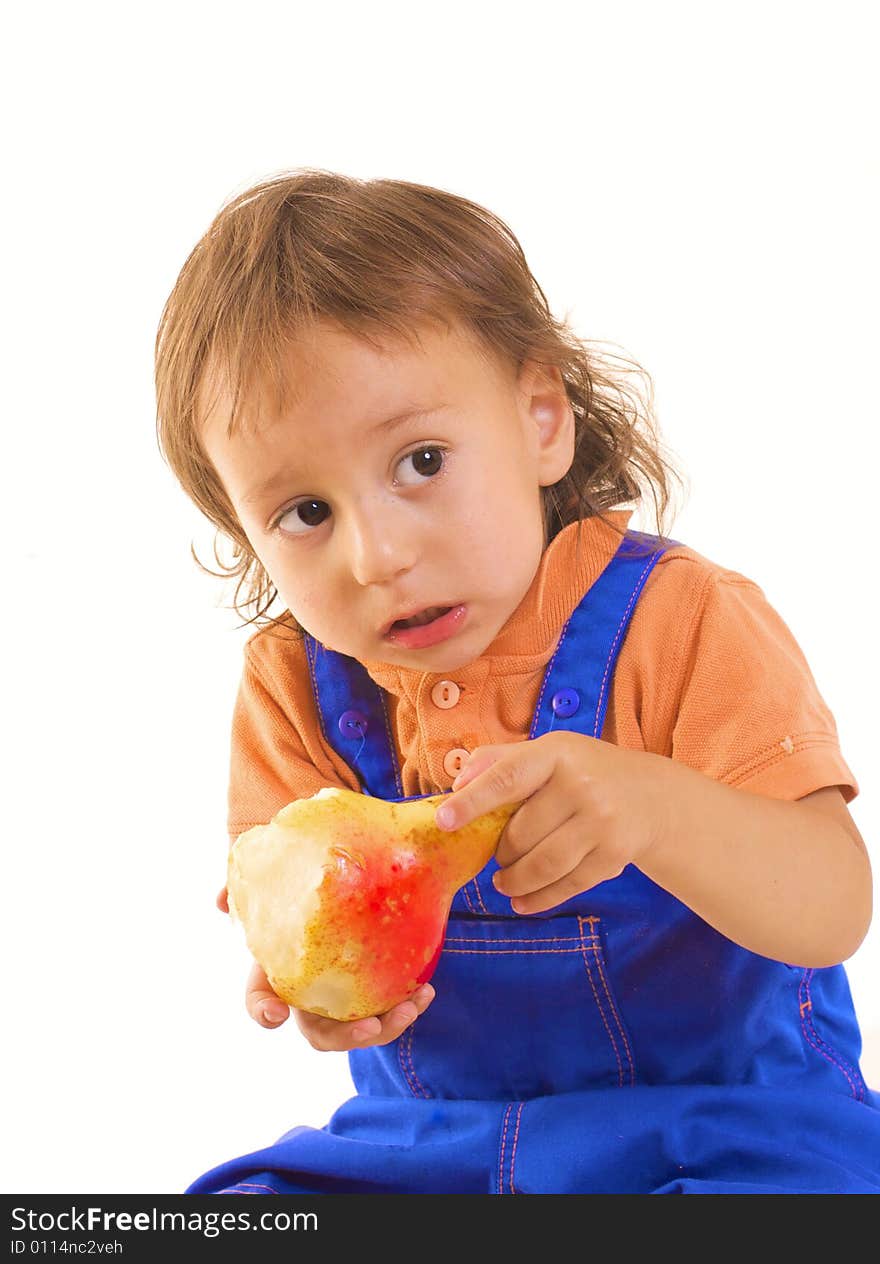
x: 326, y: 1034
x: 269, y: 1010
x: 588, y: 808
x: 329, y: 1035
x: 263, y: 1004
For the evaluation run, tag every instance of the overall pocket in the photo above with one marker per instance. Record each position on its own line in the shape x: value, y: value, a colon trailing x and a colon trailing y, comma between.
x: 524, y: 1007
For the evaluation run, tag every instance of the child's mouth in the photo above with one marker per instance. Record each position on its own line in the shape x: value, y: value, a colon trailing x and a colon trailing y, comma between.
x: 427, y: 627
x: 424, y: 616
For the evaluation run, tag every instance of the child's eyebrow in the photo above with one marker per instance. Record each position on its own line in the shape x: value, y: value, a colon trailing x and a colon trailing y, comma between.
x: 387, y: 424
x: 410, y: 414
x: 268, y: 485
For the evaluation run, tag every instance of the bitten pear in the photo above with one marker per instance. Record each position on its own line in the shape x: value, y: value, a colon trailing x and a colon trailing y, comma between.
x: 344, y: 898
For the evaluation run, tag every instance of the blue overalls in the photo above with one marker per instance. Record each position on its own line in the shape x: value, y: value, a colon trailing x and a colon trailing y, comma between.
x: 613, y: 1044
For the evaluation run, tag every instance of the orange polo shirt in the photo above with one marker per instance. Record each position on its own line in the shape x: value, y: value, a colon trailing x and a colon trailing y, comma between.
x: 708, y: 674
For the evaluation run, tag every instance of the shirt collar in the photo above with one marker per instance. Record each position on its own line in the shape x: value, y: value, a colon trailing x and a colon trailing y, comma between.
x: 573, y: 560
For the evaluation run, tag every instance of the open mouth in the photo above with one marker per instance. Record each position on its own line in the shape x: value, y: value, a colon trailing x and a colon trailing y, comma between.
x: 431, y: 626
x: 419, y: 620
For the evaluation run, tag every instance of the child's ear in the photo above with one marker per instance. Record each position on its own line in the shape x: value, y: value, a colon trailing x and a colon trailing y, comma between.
x: 549, y: 417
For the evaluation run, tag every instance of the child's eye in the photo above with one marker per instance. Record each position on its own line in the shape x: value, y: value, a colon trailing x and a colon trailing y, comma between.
x: 417, y: 466
x: 303, y: 516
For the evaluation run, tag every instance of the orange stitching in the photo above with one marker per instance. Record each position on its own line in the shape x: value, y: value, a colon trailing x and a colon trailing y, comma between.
x: 604, y: 1019
x: 503, y: 1138
x: 424, y: 1091
x: 614, y: 1011
x: 401, y: 1050
x: 636, y: 593
x: 416, y: 1087
x: 826, y: 1051
x: 533, y: 728
x: 467, y: 898
x: 808, y: 740
x: 539, y: 939
x: 479, y: 894
x: 513, y: 1150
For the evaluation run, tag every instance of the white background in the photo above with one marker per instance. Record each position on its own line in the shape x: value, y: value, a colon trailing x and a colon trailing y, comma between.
x: 695, y: 183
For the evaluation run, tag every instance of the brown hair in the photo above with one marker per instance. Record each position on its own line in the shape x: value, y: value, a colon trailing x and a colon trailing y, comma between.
x: 379, y: 256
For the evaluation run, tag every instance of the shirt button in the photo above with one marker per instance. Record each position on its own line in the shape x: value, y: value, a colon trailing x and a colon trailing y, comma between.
x: 352, y: 724
x: 445, y: 694
x: 454, y: 761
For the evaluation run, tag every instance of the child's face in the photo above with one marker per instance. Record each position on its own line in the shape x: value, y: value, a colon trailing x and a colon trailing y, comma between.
x: 364, y: 516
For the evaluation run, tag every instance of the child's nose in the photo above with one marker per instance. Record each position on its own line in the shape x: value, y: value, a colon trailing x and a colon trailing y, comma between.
x: 381, y: 544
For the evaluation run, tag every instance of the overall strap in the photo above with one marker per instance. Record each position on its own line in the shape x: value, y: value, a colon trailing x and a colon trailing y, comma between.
x: 574, y: 691
x: 578, y: 677
x: 354, y: 721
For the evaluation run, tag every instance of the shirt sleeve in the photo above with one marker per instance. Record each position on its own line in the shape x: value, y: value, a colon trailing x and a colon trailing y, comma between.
x: 276, y: 753
x: 749, y: 712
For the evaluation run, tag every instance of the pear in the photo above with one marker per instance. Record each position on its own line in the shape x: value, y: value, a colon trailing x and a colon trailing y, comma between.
x: 344, y: 898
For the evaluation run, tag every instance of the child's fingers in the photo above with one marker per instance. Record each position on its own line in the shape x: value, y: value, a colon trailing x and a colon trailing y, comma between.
x: 222, y: 900
x: 264, y: 1006
x: 589, y: 872
x: 478, y: 761
x: 331, y: 1036
x: 550, y: 859
x: 509, y: 776
x: 328, y: 1035
x: 535, y: 821
x: 396, y: 1020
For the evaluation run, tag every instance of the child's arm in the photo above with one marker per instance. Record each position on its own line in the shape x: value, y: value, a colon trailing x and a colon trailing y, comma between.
x: 789, y: 880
